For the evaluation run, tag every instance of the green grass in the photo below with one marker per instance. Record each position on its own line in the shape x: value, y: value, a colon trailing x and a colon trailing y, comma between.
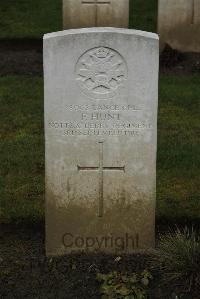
x: 29, y: 18
x: 143, y: 15
x: 178, y: 168
x: 22, y: 149
x: 176, y: 263
x: 33, y: 18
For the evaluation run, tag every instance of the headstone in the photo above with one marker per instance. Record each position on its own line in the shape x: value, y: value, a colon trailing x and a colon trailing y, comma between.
x: 179, y: 24
x: 101, y: 90
x: 95, y: 13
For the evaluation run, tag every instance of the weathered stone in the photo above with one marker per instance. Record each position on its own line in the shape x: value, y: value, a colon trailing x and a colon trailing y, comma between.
x: 95, y: 13
x: 179, y: 24
x: 101, y: 139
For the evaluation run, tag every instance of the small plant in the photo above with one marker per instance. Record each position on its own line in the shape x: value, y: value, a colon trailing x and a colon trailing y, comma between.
x: 124, y: 286
x: 177, y: 260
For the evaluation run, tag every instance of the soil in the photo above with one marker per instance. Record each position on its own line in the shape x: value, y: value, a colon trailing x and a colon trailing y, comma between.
x: 175, y: 62
x: 24, y: 57
x: 21, y: 57
x: 25, y: 271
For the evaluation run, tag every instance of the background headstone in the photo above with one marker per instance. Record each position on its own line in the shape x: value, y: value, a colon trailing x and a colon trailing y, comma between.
x: 95, y: 13
x: 179, y: 24
x: 101, y: 89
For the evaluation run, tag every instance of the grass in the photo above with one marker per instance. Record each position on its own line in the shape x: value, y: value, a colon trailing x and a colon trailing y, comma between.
x: 29, y: 18
x: 143, y: 15
x: 178, y: 148
x: 33, y: 18
x: 176, y: 261
x: 22, y: 149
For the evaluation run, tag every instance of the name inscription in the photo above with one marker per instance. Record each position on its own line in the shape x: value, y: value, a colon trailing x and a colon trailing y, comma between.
x: 101, y: 120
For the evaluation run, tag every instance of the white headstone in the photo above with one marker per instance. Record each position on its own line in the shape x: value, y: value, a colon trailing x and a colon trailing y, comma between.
x: 179, y: 24
x: 95, y: 13
x: 101, y: 91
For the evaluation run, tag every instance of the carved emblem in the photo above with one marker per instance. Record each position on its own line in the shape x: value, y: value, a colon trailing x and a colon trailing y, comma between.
x: 101, y: 73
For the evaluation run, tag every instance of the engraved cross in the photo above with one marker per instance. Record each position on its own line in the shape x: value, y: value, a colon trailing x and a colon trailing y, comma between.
x: 96, y: 3
x: 101, y: 168
x: 193, y: 12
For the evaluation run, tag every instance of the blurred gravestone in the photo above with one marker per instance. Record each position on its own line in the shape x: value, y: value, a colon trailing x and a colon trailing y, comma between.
x: 95, y: 13
x: 101, y: 89
x: 179, y: 24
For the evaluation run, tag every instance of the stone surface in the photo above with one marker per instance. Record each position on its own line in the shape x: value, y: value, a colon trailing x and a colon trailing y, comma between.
x: 179, y: 24
x: 101, y: 139
x: 95, y: 13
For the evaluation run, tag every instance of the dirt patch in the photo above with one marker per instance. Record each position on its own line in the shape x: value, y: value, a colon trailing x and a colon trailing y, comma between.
x: 175, y: 62
x: 21, y: 57
x: 25, y: 272
x: 24, y: 57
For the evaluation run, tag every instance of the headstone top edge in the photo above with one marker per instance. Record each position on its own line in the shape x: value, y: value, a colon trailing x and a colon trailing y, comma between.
x: 133, y: 32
